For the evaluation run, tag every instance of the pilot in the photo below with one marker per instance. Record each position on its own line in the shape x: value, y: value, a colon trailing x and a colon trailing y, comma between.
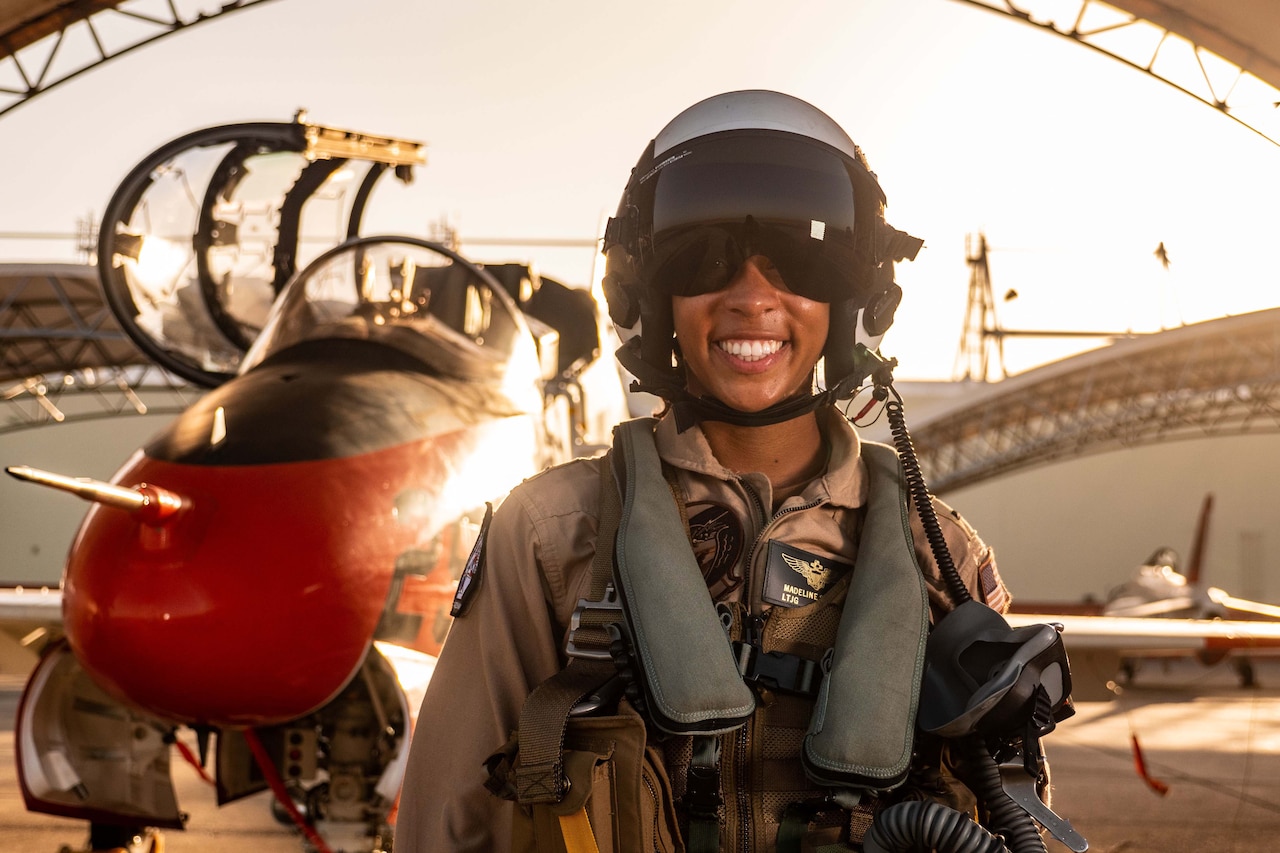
x: 752, y: 266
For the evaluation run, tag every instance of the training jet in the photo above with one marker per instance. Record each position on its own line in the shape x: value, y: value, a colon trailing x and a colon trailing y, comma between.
x: 271, y: 575
x: 1161, y: 588
x: 1161, y: 612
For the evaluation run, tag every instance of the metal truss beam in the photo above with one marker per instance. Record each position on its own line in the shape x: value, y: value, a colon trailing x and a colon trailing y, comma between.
x: 1178, y: 59
x: 1220, y: 378
x: 92, y: 393
x: 38, y: 56
x: 64, y: 358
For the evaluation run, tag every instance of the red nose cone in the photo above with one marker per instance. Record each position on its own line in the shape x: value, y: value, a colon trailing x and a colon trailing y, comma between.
x: 252, y: 605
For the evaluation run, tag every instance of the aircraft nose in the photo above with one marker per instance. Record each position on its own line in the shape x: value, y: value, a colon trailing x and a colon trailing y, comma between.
x: 255, y: 605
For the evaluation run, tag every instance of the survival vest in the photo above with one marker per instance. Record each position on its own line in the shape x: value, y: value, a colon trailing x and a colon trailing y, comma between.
x: 649, y: 641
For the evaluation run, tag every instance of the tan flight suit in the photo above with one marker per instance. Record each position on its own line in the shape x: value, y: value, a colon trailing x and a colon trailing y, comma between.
x: 537, y: 567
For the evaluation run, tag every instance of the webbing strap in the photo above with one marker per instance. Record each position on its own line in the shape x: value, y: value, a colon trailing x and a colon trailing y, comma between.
x: 795, y: 823
x: 702, y: 798
x: 588, y: 633
x: 578, y: 837
x: 543, y: 720
x: 545, y: 715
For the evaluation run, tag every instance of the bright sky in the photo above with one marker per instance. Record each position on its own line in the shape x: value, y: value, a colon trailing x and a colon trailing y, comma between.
x: 1075, y: 166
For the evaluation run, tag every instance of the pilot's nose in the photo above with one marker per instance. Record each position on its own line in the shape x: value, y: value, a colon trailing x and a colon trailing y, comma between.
x: 754, y: 288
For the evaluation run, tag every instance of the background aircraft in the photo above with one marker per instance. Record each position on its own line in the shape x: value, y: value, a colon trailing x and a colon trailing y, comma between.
x: 275, y: 569
x: 1159, y: 588
x: 1160, y: 613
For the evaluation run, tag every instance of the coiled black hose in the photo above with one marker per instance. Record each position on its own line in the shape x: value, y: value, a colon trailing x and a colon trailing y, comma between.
x: 923, y: 501
x: 928, y: 825
x: 982, y: 775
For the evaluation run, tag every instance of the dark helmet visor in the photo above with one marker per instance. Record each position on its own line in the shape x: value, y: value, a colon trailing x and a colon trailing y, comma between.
x: 722, y: 200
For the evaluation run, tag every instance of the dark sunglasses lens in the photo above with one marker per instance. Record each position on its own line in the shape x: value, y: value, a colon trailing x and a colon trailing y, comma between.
x: 694, y: 261
x: 703, y: 259
x: 815, y: 266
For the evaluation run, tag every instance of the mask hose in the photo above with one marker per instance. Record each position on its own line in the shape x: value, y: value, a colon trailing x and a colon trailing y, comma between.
x: 928, y: 825
x: 1004, y: 815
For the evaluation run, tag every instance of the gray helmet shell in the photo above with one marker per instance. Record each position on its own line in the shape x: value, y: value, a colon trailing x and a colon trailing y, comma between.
x: 639, y: 307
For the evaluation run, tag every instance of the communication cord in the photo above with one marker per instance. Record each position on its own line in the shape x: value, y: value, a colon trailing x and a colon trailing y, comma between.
x: 926, y: 824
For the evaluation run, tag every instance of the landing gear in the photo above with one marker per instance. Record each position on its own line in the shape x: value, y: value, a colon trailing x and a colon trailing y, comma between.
x: 1244, y: 670
x: 112, y: 838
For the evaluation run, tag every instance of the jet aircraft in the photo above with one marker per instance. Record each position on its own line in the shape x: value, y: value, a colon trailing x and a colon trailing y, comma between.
x: 1161, y: 612
x: 274, y: 570
x: 1159, y: 588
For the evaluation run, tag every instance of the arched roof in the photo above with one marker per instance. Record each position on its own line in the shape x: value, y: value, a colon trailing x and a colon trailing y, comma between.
x: 24, y: 22
x: 1176, y: 41
x: 1246, y: 32
x: 32, y: 32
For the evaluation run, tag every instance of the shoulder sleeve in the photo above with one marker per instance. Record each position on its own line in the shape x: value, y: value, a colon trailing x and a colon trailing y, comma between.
x: 973, y: 559
x: 507, y: 643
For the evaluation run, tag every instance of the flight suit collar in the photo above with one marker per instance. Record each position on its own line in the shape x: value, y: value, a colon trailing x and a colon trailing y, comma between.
x: 843, y: 484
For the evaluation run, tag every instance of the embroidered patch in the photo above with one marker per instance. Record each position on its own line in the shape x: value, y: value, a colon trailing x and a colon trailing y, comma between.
x: 717, y: 543
x: 794, y: 578
x: 994, y: 591
x: 469, y: 582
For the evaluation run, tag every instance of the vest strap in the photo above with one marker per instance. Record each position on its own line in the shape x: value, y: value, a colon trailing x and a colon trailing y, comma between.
x: 578, y: 837
x: 702, y: 798
x: 539, y: 776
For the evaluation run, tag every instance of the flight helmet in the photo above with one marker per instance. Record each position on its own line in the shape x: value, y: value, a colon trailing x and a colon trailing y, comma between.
x: 739, y: 174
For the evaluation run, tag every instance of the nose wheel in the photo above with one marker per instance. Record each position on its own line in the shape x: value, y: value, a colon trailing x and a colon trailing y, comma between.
x: 109, y: 838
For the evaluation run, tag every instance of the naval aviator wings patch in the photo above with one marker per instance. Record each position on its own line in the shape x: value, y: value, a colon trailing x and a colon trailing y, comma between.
x: 794, y: 577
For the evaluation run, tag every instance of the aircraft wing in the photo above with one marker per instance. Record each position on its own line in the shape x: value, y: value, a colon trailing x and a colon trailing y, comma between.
x: 29, y: 618
x: 1097, y: 644
x: 1136, y: 635
x: 1258, y: 609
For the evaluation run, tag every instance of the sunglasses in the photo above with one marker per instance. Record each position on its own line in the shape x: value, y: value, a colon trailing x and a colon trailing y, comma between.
x: 813, y: 261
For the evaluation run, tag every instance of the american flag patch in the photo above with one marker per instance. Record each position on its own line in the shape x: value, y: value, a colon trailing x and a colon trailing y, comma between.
x: 994, y: 591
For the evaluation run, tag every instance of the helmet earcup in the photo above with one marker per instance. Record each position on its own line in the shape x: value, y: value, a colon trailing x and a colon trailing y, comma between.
x: 855, y: 328
x: 877, y: 316
x: 621, y: 287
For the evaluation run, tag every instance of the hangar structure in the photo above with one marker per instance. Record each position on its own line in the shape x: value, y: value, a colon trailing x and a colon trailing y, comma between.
x: 1207, y: 381
x: 33, y: 36
x: 64, y: 357
x: 1220, y: 378
x: 1226, y: 55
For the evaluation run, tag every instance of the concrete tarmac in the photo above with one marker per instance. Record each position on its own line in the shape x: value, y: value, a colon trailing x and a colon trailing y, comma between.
x: 1215, y: 745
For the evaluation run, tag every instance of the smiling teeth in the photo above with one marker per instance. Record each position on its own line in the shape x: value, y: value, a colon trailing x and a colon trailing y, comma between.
x: 750, y: 350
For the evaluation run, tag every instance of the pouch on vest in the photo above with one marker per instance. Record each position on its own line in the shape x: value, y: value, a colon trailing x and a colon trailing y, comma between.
x: 613, y: 777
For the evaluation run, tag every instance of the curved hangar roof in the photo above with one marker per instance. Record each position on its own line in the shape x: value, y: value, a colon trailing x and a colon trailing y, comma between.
x: 1225, y: 54
x: 1244, y: 33
x: 33, y: 58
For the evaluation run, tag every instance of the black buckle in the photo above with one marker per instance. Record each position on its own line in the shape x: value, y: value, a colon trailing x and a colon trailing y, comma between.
x: 778, y: 670
x: 611, y: 604
x: 702, y: 791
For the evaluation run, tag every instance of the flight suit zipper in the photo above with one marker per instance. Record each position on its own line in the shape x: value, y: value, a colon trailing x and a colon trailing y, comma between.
x: 744, y: 787
x: 744, y: 740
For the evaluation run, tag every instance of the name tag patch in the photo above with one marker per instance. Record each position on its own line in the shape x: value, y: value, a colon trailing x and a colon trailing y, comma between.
x: 794, y: 577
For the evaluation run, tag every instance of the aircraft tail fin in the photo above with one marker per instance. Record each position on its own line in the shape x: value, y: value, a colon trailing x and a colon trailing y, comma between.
x: 1197, y: 544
